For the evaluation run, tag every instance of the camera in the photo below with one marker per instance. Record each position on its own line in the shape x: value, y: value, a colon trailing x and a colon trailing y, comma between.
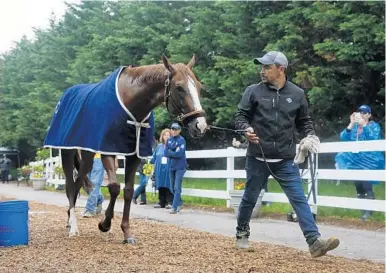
x: 357, y: 117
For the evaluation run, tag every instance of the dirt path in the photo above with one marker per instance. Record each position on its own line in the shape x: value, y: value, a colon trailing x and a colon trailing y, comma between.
x: 161, y: 248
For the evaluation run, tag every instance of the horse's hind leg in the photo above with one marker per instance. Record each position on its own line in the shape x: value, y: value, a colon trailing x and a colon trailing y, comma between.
x: 114, y: 189
x: 132, y: 163
x: 83, y: 158
x: 68, y: 166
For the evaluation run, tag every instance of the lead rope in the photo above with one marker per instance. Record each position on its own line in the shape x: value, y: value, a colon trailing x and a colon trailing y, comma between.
x: 312, y: 168
x: 313, y: 172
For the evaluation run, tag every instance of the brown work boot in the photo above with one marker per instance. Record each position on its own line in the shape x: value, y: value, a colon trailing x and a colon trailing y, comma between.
x: 321, y: 247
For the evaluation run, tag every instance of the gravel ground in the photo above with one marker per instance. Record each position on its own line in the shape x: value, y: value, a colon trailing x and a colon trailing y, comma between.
x: 160, y: 248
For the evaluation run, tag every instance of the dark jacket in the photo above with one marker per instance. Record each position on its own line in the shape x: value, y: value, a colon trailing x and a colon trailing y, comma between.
x: 275, y: 115
x: 175, y: 150
x: 5, y: 164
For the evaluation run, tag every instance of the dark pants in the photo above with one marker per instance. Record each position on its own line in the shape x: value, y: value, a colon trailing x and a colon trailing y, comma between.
x: 257, y: 177
x: 165, y: 197
x: 364, y: 189
x: 4, y: 175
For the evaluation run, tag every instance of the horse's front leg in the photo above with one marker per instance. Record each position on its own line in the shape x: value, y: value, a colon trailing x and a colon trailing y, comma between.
x: 114, y: 189
x: 132, y: 163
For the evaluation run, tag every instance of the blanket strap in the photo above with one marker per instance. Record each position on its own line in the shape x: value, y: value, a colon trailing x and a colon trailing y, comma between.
x: 138, y: 127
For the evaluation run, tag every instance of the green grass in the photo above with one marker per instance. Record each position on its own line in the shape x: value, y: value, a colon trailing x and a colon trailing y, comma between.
x: 194, y: 183
x: 325, y: 188
x: 188, y: 200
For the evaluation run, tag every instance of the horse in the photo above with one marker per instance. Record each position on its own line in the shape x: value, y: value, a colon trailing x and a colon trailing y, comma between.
x: 138, y: 91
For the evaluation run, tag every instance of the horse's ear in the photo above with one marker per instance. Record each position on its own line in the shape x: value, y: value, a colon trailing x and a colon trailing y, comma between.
x: 192, y: 62
x: 167, y: 64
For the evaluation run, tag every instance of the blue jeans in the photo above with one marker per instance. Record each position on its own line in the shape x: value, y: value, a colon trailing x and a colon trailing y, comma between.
x: 257, y: 177
x: 176, y: 183
x: 141, y: 190
x: 95, y: 197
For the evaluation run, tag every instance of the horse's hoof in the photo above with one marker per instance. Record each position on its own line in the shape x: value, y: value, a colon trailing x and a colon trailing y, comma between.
x: 102, y: 228
x: 73, y: 233
x: 130, y: 241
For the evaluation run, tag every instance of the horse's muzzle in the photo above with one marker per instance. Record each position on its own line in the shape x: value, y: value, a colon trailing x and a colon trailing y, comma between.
x: 197, y: 127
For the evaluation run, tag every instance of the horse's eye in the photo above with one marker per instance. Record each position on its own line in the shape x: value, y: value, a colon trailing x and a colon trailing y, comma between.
x: 180, y: 89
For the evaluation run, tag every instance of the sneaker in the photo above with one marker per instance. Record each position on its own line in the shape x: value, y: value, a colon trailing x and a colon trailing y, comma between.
x: 88, y: 214
x: 168, y: 207
x: 135, y: 201
x: 175, y: 211
x: 366, y: 216
x: 157, y: 206
x: 242, y: 243
x: 321, y: 247
x: 98, y: 209
x: 142, y: 203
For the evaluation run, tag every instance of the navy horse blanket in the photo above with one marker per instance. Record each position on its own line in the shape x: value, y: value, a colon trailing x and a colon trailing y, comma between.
x: 92, y: 117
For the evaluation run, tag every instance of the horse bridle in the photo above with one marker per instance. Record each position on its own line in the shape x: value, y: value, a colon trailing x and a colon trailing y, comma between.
x: 181, y: 117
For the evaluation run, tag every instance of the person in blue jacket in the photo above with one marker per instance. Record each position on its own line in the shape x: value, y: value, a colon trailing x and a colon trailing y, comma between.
x: 162, y: 172
x: 175, y: 150
x: 361, y: 128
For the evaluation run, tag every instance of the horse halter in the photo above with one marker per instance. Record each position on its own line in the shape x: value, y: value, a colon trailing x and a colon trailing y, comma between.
x: 181, y: 117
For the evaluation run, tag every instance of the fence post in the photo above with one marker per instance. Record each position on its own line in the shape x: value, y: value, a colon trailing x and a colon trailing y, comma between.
x: 51, y: 166
x: 313, y: 205
x: 230, y: 180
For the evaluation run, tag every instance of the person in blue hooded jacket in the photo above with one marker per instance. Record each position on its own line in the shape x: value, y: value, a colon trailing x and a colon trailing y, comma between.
x: 176, y: 150
x: 162, y: 172
x: 361, y: 128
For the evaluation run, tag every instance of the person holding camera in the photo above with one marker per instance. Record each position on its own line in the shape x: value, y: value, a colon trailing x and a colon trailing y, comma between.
x: 361, y: 128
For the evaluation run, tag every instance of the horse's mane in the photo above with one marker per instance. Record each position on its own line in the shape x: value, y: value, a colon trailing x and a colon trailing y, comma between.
x: 157, y: 73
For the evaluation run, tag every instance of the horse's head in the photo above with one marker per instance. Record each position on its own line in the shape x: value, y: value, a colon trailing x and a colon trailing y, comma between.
x: 182, y: 96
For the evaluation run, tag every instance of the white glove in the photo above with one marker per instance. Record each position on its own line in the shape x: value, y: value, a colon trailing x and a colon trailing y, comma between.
x: 311, y: 144
x: 236, y: 143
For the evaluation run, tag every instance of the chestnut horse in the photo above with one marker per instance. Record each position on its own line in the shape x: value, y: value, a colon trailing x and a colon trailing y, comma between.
x: 140, y: 90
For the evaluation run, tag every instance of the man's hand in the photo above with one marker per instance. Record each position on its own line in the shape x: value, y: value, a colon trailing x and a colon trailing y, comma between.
x: 251, y: 136
x: 352, y: 121
x: 352, y: 118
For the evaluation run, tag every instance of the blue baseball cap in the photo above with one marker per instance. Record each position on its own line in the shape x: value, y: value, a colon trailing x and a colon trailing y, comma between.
x: 365, y: 109
x: 175, y: 126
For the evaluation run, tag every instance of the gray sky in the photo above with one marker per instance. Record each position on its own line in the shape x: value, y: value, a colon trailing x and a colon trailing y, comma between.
x: 18, y: 17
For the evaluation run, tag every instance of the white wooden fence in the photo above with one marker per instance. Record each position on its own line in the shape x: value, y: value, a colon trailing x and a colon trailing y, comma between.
x: 230, y: 174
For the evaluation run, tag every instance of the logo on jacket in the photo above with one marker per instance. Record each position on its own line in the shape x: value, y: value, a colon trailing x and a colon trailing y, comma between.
x: 289, y: 100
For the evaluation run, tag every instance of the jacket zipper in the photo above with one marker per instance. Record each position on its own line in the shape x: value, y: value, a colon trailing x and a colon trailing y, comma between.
x: 277, y: 103
x: 276, y: 113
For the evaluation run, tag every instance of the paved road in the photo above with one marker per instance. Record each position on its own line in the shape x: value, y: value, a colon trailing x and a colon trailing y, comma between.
x: 356, y: 244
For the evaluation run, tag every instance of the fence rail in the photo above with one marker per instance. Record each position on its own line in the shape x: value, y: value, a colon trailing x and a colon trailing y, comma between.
x: 230, y: 174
